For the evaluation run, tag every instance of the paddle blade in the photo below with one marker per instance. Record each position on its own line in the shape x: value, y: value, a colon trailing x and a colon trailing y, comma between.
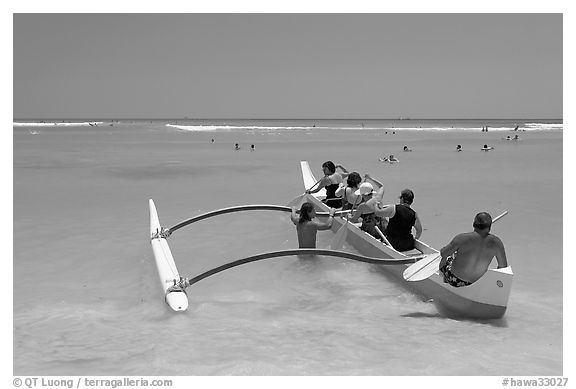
x: 297, y: 201
x: 423, y: 269
x: 429, y: 265
x: 340, y: 237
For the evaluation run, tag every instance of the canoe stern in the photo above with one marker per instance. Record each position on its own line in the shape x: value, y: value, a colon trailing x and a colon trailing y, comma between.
x: 486, y: 299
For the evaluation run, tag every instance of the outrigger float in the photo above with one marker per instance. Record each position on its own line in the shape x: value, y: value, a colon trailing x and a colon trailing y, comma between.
x: 486, y: 298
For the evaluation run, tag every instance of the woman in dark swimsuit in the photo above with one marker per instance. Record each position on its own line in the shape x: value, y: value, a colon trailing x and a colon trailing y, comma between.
x: 349, y: 199
x: 331, y: 181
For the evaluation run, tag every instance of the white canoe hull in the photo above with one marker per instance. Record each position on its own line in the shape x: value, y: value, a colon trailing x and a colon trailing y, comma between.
x: 167, y: 271
x: 487, y: 298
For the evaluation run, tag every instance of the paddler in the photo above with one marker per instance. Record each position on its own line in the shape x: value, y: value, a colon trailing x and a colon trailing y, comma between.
x: 331, y: 181
x: 367, y: 209
x: 467, y: 257
x: 348, y: 192
x: 401, y: 220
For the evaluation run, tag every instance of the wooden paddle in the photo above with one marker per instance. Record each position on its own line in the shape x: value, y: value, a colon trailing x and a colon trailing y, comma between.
x: 340, y: 236
x: 298, y: 199
x: 429, y: 265
x: 384, y: 239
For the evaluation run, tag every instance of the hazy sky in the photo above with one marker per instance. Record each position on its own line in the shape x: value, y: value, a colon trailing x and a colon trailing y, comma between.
x: 287, y: 65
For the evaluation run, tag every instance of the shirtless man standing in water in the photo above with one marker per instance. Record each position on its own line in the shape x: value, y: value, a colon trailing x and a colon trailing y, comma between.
x: 307, y: 225
x: 467, y: 257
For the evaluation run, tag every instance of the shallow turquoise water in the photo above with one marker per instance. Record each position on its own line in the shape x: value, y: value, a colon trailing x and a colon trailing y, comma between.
x: 95, y: 307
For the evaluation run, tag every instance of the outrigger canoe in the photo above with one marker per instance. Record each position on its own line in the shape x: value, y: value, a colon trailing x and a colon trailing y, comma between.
x: 174, y: 286
x: 175, y: 297
x: 486, y: 298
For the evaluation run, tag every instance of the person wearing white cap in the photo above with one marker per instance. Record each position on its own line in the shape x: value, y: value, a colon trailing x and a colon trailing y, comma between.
x: 367, y: 209
x: 365, y: 189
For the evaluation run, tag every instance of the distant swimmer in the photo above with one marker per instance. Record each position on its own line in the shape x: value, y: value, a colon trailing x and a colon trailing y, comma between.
x: 252, y: 147
x: 516, y: 137
x: 459, y: 148
x: 487, y: 148
x: 390, y: 159
x: 237, y: 146
x: 212, y: 140
x: 407, y: 149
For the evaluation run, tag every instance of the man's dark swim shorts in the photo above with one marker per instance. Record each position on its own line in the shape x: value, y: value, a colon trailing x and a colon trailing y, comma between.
x: 449, y: 277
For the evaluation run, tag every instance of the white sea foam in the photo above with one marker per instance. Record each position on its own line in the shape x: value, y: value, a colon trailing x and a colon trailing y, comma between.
x: 527, y: 127
x: 307, y: 128
x: 208, y: 128
x: 231, y: 128
x: 544, y: 126
x: 53, y: 124
x: 535, y: 126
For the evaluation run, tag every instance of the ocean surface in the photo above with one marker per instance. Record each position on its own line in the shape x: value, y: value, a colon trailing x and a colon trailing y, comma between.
x: 95, y: 305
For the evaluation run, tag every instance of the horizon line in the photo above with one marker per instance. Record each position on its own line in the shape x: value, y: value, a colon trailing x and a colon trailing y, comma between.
x: 233, y: 118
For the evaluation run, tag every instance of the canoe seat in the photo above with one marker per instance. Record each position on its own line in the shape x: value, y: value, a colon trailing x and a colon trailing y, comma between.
x: 412, y: 253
